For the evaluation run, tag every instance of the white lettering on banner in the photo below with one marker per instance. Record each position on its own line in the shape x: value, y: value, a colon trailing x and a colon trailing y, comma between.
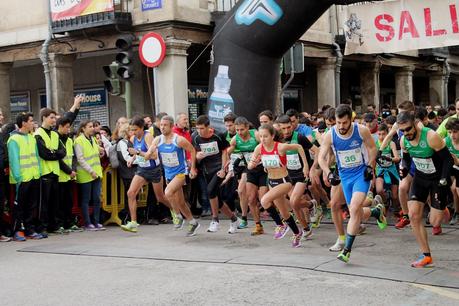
x: 402, y: 25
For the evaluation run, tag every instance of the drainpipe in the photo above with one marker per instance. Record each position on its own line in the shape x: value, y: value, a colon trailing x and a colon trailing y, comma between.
x: 44, y: 56
x: 447, y: 70
x: 339, y: 63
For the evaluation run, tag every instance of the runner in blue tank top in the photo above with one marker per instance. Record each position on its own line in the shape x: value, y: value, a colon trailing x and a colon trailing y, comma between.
x: 171, y: 149
x: 148, y: 171
x: 349, y: 142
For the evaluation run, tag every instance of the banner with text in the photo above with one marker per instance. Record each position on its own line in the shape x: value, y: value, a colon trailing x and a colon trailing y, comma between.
x: 402, y: 25
x: 66, y: 9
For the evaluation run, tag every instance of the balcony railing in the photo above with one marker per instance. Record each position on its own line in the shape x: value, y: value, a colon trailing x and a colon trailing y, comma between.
x: 120, y: 17
x: 222, y: 5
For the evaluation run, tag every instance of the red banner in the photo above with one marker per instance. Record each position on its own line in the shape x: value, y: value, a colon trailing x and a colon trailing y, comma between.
x: 67, y: 9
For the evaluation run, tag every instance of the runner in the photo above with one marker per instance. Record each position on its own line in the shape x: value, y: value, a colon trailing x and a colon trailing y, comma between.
x: 273, y: 156
x: 299, y: 198
x: 433, y: 162
x: 452, y: 143
x: 171, y: 148
x: 148, y: 171
x: 211, y: 152
x: 254, y: 180
x: 386, y: 171
x: 348, y: 141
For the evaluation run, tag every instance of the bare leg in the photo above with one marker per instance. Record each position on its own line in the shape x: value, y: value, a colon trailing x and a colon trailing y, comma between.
x: 137, y: 183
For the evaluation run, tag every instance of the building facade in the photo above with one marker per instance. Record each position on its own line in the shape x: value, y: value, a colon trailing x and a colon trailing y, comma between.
x: 77, y: 53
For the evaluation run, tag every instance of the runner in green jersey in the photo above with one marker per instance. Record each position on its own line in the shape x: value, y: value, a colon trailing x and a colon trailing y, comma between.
x: 433, y: 162
x: 452, y: 143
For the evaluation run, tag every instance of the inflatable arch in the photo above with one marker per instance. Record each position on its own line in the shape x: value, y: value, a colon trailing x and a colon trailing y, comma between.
x: 252, y: 38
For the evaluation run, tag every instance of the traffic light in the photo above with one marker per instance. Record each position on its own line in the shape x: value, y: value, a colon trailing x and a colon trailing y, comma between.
x: 112, y: 83
x: 124, y: 58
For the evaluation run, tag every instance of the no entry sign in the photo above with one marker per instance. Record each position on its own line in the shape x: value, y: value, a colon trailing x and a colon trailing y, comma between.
x: 152, y: 50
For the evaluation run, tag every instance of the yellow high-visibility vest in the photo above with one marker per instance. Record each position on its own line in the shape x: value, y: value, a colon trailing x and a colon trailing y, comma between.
x: 91, y: 156
x: 28, y: 160
x: 51, y: 143
x: 64, y: 177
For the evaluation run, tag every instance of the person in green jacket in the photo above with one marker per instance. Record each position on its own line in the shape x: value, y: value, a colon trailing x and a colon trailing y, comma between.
x: 442, y: 131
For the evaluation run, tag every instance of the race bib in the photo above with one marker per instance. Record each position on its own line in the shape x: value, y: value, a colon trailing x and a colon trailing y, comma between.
x: 233, y: 158
x: 142, y: 162
x: 425, y: 165
x: 270, y: 161
x: 170, y: 159
x: 210, y: 148
x: 248, y: 156
x: 386, y: 163
x: 293, y: 162
x: 350, y: 158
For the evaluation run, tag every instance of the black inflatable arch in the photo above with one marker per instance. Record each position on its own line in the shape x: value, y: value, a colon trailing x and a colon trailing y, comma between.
x: 252, y: 39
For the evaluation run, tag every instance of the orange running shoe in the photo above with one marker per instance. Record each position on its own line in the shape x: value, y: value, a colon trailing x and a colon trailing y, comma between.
x: 258, y: 230
x: 422, y: 261
x: 402, y: 223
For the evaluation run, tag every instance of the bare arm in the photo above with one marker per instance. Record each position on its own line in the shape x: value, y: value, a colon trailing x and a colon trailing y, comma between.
x: 325, y: 148
x: 255, y: 158
x: 370, y: 144
x: 389, y: 137
x: 185, y: 144
x: 232, y: 146
x: 396, y: 157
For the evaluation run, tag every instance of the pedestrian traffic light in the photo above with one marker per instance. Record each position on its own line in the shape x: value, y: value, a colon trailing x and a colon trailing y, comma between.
x: 112, y: 83
x: 124, y: 57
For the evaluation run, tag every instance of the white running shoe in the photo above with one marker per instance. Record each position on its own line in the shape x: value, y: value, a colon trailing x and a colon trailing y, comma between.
x: 377, y: 200
x: 307, y: 233
x: 313, y: 212
x: 338, y: 246
x: 233, y: 226
x: 213, y: 227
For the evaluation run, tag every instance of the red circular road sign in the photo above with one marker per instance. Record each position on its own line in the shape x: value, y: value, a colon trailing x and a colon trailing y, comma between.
x: 152, y: 50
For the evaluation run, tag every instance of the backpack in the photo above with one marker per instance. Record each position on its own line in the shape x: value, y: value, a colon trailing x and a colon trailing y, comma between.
x: 113, y: 156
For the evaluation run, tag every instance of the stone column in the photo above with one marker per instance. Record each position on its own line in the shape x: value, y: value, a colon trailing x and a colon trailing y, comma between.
x: 171, y: 84
x: 5, y: 100
x: 326, y: 83
x: 369, y: 85
x: 404, y: 84
x: 437, y: 88
x: 61, y: 70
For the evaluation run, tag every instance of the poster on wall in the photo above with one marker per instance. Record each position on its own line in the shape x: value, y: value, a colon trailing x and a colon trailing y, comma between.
x: 93, y: 107
x: 67, y: 9
x: 197, y: 103
x: 19, y: 102
x: 151, y: 5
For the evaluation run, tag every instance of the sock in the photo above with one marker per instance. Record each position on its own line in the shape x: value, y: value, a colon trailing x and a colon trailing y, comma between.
x: 275, y: 215
x: 215, y: 219
x: 349, y: 241
x: 342, y: 237
x: 427, y: 254
x: 375, y: 212
x: 233, y: 218
x: 244, y: 218
x: 193, y: 221
x: 292, y: 224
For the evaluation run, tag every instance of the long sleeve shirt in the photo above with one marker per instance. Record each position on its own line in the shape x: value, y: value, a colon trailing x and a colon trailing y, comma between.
x: 48, y: 154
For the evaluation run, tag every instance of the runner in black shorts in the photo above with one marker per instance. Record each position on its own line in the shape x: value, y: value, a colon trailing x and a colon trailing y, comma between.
x: 211, y: 152
x: 299, y: 199
x: 452, y: 143
x: 433, y: 162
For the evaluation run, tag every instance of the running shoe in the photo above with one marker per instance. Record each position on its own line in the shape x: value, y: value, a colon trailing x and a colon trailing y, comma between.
x: 296, y: 239
x: 153, y: 221
x: 44, y: 234
x: 362, y: 229
x: 59, y: 231
x: 404, y: 221
x: 370, y: 196
x: 243, y: 224
x: 131, y: 226
x: 4, y: 238
x: 100, y: 227
x: 175, y: 219
x: 436, y: 230
x: 75, y: 229
x: 213, y: 227
x: 258, y: 230
x: 378, y: 200
x: 454, y: 219
x: 307, y: 232
x: 192, y: 229
x: 422, y: 261
x: 19, y: 236
x: 328, y: 215
x: 234, y: 226
x: 280, y: 231
x: 319, y: 216
x: 34, y: 236
x: 344, y: 256
x: 338, y: 246
x: 179, y: 223
x: 382, y: 222
x: 313, y: 211
x: 206, y: 213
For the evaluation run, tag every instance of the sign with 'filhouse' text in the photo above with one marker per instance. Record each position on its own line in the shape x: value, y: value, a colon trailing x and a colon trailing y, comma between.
x: 395, y: 26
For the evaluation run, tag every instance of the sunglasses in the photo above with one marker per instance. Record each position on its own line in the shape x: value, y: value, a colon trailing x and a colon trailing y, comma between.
x: 406, y: 130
